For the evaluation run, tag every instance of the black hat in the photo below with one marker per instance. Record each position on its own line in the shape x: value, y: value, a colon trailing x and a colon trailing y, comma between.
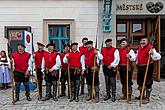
x: 74, y: 43
x: 124, y: 39
x: 108, y: 40
x: 50, y: 45
x: 38, y: 43
x: 66, y: 45
x: 85, y: 38
x: 144, y: 37
x: 89, y: 42
x: 21, y: 45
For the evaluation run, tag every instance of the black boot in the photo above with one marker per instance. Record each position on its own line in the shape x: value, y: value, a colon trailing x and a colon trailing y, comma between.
x: 26, y: 84
x: 89, y: 97
x: 108, y: 96
x: 138, y: 97
x: 113, y: 83
x: 77, y: 90
x: 124, y: 92
x: 63, y: 88
x: 147, y: 99
x: 40, y: 90
x: 72, y: 91
x: 55, y: 90
x: 17, y: 85
x: 3, y: 86
x: 48, y: 92
x: 82, y: 85
x: 96, y: 94
x: 129, y: 101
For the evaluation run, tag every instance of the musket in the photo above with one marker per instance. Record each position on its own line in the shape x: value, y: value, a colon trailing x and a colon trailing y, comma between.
x: 39, y: 98
x: 69, y: 86
x: 12, y: 71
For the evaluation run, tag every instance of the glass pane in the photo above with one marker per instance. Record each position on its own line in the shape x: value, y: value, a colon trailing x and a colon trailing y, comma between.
x: 137, y: 28
x: 121, y: 27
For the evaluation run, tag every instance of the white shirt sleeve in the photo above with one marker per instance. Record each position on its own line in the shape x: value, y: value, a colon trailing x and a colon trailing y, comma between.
x: 30, y: 64
x: 133, y: 55
x: 43, y: 65
x: 65, y: 59
x: 82, y: 60
x: 99, y: 56
x: 58, y: 63
x: 155, y: 56
x: 116, y: 59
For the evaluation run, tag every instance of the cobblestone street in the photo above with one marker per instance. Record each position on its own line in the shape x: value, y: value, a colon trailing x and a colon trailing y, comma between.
x: 157, y: 101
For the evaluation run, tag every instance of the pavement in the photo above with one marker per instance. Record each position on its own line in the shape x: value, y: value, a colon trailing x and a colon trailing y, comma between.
x: 157, y: 101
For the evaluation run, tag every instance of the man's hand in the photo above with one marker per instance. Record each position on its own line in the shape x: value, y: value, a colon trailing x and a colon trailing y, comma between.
x: 128, y: 56
x: 27, y: 73
x: 151, y: 52
x: 95, y: 51
x: 82, y: 72
x: 43, y: 74
x: 109, y: 66
x: 51, y: 70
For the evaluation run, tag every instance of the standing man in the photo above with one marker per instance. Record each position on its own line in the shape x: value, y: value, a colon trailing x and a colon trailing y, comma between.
x: 82, y: 49
x: 38, y: 56
x: 76, y: 62
x: 90, y: 54
x: 111, y: 60
x: 126, y: 54
x: 51, y: 64
x: 143, y: 52
x: 64, y: 70
x: 22, y: 68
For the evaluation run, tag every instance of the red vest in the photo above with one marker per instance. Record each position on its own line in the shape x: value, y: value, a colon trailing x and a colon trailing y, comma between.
x: 122, y: 53
x: 74, y: 59
x: 89, y: 57
x: 143, y: 54
x: 21, y: 61
x: 38, y: 58
x: 64, y: 65
x: 82, y: 49
x: 50, y: 59
x: 108, y: 55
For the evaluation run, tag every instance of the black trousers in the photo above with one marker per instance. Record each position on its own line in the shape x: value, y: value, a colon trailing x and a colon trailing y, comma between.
x: 89, y: 77
x: 110, y: 79
x: 19, y: 77
x: 123, y: 76
x: 63, y: 79
x: 140, y: 76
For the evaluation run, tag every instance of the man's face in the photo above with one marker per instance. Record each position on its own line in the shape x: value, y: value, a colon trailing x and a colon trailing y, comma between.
x: 21, y: 49
x: 66, y: 49
x: 50, y: 49
x: 84, y: 42
x: 143, y: 42
x: 74, y: 47
x: 40, y: 48
x: 108, y: 44
x: 123, y: 44
x: 89, y: 46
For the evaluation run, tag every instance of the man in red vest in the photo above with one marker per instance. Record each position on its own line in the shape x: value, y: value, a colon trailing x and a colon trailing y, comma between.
x: 111, y: 60
x: 126, y: 54
x: 82, y: 49
x: 22, y: 68
x: 143, y: 52
x: 64, y: 70
x: 76, y: 63
x: 51, y: 64
x: 38, y: 55
x: 90, y: 54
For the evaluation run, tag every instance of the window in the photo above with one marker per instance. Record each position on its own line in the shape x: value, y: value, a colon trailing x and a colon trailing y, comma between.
x: 59, y: 35
x: 137, y: 28
x: 121, y: 27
